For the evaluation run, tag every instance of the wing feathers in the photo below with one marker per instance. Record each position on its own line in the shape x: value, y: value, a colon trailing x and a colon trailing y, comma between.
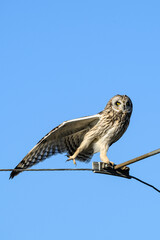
x: 64, y: 138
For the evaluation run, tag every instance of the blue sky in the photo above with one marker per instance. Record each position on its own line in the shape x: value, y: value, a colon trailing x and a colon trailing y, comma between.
x: 62, y: 60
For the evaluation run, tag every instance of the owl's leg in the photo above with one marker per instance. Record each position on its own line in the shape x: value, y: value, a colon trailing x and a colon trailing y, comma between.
x: 84, y: 144
x: 103, y: 155
x: 73, y: 157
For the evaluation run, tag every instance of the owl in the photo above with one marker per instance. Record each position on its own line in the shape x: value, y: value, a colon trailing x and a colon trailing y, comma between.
x: 82, y: 137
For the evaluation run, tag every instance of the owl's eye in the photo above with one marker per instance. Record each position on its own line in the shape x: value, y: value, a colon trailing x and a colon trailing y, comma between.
x: 118, y: 103
x: 128, y: 104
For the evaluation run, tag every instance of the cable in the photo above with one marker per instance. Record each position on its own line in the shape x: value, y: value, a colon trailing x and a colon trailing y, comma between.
x: 46, y: 169
x: 145, y: 183
x: 70, y: 169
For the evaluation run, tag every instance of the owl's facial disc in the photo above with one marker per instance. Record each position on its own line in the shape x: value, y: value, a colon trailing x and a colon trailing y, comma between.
x: 122, y: 103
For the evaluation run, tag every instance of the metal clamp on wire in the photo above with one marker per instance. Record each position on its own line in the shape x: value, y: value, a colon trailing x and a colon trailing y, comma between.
x: 101, y: 167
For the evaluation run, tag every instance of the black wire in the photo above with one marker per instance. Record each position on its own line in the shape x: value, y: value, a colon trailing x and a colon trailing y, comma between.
x: 45, y: 169
x: 71, y: 169
x: 145, y: 183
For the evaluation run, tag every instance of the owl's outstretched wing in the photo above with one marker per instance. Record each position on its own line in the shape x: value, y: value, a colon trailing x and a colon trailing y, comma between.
x: 64, y: 138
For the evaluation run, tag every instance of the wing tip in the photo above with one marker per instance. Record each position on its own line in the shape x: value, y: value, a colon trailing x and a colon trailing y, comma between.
x: 15, y: 173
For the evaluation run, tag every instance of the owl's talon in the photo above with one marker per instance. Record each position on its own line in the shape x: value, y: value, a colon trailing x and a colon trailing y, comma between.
x: 111, y: 165
x: 71, y: 158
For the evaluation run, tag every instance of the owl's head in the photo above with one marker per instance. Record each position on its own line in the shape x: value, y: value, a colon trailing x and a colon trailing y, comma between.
x: 121, y: 103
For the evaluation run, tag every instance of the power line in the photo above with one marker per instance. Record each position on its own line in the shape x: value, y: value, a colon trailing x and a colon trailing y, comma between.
x: 98, y: 167
x: 71, y: 169
x: 146, y: 183
x: 45, y: 169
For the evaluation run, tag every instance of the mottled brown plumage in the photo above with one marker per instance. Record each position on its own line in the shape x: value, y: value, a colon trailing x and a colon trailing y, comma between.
x: 83, y: 137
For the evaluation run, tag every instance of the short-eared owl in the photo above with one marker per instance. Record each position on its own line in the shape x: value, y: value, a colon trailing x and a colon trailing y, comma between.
x: 82, y: 137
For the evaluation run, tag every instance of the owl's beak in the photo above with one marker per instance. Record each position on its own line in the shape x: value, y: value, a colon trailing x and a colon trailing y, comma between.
x: 125, y: 109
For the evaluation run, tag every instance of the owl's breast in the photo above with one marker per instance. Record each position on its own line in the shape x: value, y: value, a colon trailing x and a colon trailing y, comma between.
x: 105, y: 139
x: 110, y: 136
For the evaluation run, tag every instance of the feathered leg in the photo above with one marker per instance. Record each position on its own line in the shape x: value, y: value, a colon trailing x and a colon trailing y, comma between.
x: 103, y: 155
x: 84, y: 144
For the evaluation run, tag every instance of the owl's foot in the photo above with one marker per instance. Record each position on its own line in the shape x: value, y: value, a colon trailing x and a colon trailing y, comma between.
x: 71, y: 158
x: 105, y: 159
x: 111, y: 164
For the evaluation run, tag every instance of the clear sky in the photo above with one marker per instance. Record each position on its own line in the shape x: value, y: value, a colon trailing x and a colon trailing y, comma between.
x: 61, y: 60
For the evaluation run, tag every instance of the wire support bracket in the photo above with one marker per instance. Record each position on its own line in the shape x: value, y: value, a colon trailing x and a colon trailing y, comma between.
x: 104, y: 168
